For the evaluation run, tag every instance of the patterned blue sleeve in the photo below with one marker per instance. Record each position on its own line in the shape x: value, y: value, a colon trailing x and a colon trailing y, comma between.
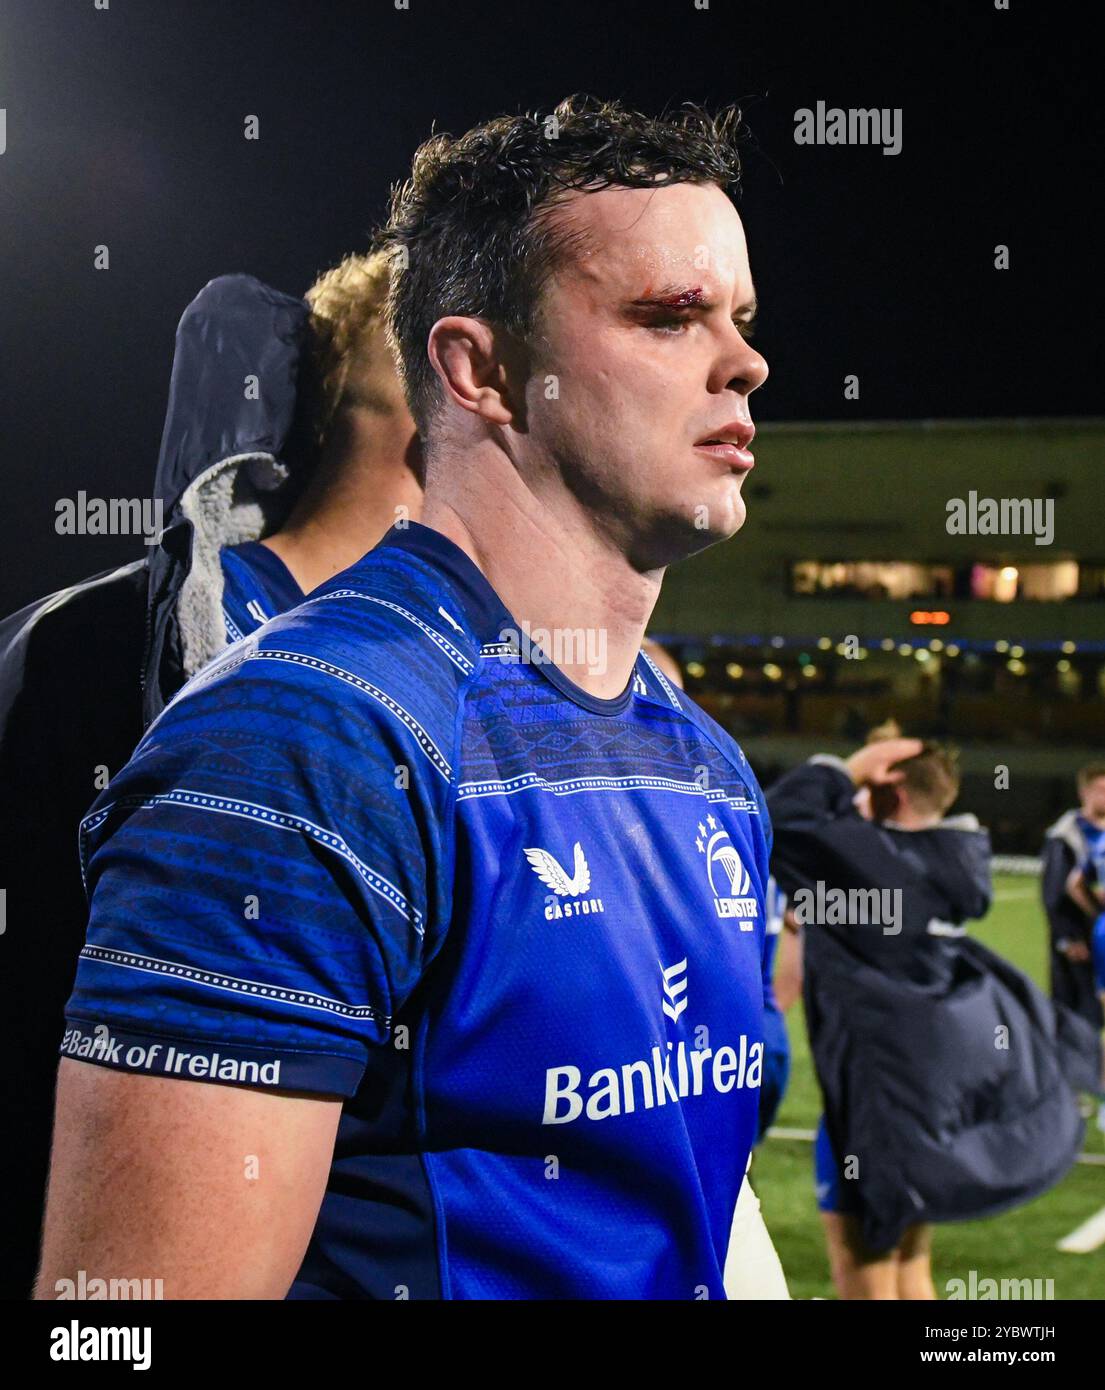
x: 765, y: 821
x: 266, y: 882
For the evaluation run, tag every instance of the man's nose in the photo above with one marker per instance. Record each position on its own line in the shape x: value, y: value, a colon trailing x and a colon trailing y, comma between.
x: 741, y: 368
x: 751, y: 373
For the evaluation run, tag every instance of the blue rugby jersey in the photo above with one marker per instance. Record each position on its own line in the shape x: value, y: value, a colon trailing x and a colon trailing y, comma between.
x: 256, y: 586
x: 1093, y: 870
x: 776, y: 1038
x: 1093, y: 866
x: 370, y: 852
x: 775, y: 903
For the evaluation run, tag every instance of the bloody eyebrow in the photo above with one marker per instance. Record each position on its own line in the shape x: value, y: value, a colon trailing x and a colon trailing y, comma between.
x: 684, y: 297
x: 671, y: 297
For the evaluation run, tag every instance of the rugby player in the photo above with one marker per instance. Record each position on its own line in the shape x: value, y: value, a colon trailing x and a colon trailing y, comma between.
x: 421, y: 964
x: 1071, y: 843
x: 1086, y: 887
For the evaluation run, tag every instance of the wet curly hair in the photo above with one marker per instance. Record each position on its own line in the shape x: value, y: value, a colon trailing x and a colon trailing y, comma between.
x: 469, y: 232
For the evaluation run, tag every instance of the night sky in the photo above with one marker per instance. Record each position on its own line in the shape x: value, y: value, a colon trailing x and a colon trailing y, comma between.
x: 125, y: 127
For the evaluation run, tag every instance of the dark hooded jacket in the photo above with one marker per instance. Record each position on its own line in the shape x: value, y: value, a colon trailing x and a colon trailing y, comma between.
x: 83, y: 671
x: 945, y: 1072
x: 1072, y: 981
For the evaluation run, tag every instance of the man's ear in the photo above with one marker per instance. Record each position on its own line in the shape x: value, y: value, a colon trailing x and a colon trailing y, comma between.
x: 468, y: 356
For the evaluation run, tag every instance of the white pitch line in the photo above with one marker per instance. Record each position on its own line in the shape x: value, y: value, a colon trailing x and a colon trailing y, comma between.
x: 1085, y: 1238
x: 1082, y: 1240
x: 807, y: 1136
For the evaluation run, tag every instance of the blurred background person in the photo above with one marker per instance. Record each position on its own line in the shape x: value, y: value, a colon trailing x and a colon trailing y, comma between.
x: 1070, y: 842
x: 1083, y: 948
x: 927, y: 1118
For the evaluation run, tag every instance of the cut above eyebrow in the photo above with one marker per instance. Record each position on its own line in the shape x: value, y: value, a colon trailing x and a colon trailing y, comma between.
x: 686, y: 297
x: 672, y: 296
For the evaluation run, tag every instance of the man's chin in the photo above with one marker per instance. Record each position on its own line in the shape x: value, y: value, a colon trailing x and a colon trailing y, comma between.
x: 677, y: 537
x: 720, y: 522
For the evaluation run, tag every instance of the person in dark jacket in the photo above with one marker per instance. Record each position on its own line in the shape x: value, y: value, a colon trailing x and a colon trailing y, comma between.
x: 948, y: 1078
x: 1069, y: 844
x: 287, y: 451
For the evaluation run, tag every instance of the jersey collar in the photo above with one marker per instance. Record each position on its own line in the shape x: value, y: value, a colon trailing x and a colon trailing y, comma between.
x: 488, y: 617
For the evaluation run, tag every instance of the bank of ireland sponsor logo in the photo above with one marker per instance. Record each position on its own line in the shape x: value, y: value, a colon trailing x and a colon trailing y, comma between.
x: 730, y: 881
x: 97, y: 1043
x: 675, y: 988
x: 668, y: 1075
x: 569, y: 888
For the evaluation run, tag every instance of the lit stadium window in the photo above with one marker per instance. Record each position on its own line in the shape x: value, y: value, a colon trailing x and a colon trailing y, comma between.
x: 1051, y: 582
x: 1045, y: 583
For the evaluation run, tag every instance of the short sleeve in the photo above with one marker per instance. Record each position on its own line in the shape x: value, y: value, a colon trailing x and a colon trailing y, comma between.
x: 265, y: 880
x: 765, y: 823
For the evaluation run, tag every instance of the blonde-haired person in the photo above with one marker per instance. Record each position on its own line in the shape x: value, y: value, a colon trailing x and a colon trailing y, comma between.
x: 368, y: 471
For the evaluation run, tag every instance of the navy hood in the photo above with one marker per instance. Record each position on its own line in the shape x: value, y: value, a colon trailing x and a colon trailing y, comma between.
x: 954, y: 858
x: 225, y: 470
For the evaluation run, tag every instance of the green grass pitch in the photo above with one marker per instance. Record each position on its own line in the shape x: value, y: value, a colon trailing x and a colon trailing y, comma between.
x: 1020, y: 1244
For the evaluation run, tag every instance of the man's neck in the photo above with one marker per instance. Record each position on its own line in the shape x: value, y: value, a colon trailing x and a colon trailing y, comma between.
x: 357, y: 494
x: 906, y: 818
x: 552, y: 569
x: 1098, y: 822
